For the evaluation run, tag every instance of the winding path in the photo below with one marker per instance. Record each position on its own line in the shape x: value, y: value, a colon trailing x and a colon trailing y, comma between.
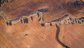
x: 57, y: 37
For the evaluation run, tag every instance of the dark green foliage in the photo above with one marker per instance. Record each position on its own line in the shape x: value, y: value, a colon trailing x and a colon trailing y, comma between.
x: 2, y: 2
x: 5, y: 1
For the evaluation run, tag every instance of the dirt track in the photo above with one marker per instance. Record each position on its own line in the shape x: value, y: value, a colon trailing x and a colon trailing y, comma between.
x: 32, y: 34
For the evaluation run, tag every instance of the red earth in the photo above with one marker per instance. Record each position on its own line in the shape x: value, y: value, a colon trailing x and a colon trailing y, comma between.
x: 32, y: 34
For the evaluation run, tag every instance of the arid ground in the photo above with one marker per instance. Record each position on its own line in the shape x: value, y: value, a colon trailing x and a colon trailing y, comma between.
x: 32, y: 34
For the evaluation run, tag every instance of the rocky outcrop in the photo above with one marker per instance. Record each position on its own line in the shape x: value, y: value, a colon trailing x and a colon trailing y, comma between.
x: 24, y: 29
